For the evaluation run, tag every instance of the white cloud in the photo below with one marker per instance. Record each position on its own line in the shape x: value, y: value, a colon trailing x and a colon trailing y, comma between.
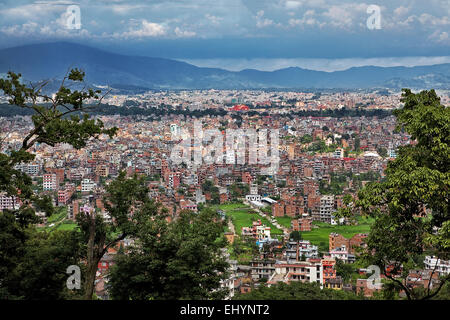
x: 123, y: 9
x: 346, y: 15
x: 401, y: 11
x: 440, y: 37
x: 145, y: 29
x: 184, y: 34
x: 308, y: 19
x: 293, y: 4
x: 214, y: 20
x: 428, y: 19
x: 262, y: 22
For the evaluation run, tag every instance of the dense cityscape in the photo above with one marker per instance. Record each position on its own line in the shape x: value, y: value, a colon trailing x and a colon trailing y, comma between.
x: 224, y: 159
x: 281, y: 227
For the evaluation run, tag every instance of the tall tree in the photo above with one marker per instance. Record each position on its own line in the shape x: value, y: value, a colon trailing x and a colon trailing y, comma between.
x: 411, y: 205
x: 53, y: 122
x: 177, y: 260
x: 125, y: 200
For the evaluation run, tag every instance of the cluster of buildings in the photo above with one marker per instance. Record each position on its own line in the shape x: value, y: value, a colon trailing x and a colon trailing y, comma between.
x: 315, y: 153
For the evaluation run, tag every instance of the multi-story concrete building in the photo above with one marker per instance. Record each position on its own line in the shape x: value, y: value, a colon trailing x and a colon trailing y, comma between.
x: 49, y: 181
x: 87, y: 185
x: 300, y: 249
x: 262, y: 268
x: 8, y: 202
x: 326, y: 209
x: 441, y: 266
x: 304, y: 271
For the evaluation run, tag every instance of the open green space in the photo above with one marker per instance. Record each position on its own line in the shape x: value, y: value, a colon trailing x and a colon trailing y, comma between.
x: 59, y: 215
x: 243, y: 216
x: 320, y: 232
x: 284, y: 221
x: 66, y: 226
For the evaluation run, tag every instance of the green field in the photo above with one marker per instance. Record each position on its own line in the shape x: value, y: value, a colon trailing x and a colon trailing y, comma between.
x: 319, y: 236
x: 243, y: 216
x: 284, y: 221
x: 66, y: 226
x: 59, y: 215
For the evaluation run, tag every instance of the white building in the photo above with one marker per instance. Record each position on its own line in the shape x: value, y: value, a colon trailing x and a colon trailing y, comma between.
x: 262, y: 232
x: 253, y: 189
x: 8, y: 203
x: 338, y: 153
x: 304, y: 271
x: 303, y: 248
x: 442, y: 266
x: 253, y: 197
x: 342, y: 254
x: 49, y: 181
x: 87, y: 185
x: 326, y: 208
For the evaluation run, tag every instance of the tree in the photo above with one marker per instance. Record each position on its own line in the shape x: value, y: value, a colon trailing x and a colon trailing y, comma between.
x: 411, y: 205
x: 125, y: 200
x: 357, y: 143
x: 382, y: 152
x: 41, y: 273
x: 344, y: 270
x: 306, y: 139
x: 295, y: 236
x: 177, y: 260
x: 53, y: 122
x: 296, y: 290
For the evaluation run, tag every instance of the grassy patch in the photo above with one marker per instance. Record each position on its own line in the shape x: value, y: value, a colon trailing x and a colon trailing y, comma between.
x: 284, y: 221
x: 319, y: 236
x: 67, y: 226
x: 243, y: 216
x: 58, y: 216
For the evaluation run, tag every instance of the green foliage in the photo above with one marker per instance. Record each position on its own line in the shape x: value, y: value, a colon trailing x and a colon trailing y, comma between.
x: 344, y: 270
x: 40, y: 273
x: 357, y: 146
x: 295, y: 236
x: 178, y: 260
x: 126, y: 200
x: 306, y: 139
x: 417, y: 180
x: 296, y: 291
x: 20, y: 247
x: 382, y: 152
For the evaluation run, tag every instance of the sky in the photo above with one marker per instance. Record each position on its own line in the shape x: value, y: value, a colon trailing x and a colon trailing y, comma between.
x: 323, y: 35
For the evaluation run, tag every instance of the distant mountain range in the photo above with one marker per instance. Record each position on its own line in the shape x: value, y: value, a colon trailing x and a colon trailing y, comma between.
x: 52, y: 60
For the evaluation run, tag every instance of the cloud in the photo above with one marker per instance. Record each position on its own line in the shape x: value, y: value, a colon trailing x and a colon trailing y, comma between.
x: 184, y: 34
x: 214, y: 20
x: 145, y: 29
x: 20, y: 30
x: 262, y: 22
x: 124, y: 9
x: 308, y: 19
x: 401, y: 11
x: 428, y: 19
x: 440, y: 37
x: 293, y: 4
x: 347, y: 15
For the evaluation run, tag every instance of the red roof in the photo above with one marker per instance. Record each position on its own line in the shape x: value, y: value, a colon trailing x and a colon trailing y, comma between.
x: 240, y: 107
